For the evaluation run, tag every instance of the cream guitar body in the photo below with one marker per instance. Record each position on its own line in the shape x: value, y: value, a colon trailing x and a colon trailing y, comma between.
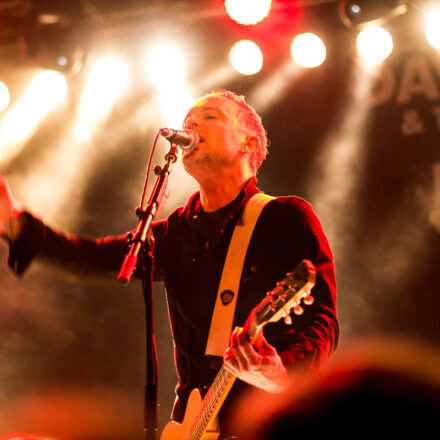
x: 182, y: 431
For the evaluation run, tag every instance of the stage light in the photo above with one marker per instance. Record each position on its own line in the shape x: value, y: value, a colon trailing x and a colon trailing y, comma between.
x: 174, y: 102
x: 4, y: 96
x: 62, y: 61
x: 107, y: 79
x: 433, y: 29
x: 308, y: 50
x: 165, y: 63
x: 374, y: 44
x: 165, y: 66
x: 246, y: 57
x: 248, y: 12
x: 355, y: 13
x: 49, y: 86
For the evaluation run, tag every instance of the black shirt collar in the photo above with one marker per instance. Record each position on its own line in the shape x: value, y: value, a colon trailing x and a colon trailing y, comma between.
x: 194, y: 205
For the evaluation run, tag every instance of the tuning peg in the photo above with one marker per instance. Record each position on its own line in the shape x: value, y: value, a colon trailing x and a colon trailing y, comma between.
x: 298, y: 310
x: 309, y: 300
x: 287, y: 319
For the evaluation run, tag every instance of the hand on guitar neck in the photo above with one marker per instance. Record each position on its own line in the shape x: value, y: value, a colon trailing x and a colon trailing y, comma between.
x: 257, y: 364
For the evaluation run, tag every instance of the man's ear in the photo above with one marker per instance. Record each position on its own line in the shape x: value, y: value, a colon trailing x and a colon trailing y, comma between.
x: 250, y: 144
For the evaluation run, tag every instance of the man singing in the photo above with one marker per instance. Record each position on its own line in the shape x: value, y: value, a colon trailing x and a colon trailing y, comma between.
x: 190, y: 250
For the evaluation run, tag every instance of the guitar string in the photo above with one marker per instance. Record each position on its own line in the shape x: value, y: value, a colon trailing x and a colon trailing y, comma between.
x: 210, y: 401
x: 211, y: 398
x: 218, y: 386
x: 222, y: 382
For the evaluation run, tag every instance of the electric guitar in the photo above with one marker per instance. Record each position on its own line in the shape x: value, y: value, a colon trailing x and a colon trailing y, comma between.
x: 200, y: 419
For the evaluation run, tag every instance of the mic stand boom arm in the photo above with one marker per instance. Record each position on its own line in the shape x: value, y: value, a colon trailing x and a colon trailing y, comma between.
x: 139, y: 247
x: 146, y: 216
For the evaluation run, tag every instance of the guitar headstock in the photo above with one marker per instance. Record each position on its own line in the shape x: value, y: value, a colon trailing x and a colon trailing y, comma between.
x: 287, y: 295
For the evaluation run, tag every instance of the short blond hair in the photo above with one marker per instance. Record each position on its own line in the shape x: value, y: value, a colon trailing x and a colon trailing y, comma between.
x: 251, y: 121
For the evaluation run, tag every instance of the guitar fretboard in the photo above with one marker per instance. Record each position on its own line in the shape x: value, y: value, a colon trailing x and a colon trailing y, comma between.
x: 214, y: 397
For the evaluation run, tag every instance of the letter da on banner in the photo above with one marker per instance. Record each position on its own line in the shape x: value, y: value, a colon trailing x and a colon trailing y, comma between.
x: 419, y: 79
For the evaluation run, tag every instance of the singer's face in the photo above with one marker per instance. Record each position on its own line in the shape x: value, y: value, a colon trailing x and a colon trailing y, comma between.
x: 215, y: 119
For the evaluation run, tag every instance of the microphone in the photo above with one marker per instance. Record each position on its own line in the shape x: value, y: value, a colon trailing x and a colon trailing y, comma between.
x: 187, y: 140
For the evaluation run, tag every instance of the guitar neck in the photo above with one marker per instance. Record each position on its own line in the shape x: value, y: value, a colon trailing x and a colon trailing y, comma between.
x: 215, y: 396
x: 211, y: 403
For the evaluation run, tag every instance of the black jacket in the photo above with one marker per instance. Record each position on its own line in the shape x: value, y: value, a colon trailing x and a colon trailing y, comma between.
x: 189, y: 254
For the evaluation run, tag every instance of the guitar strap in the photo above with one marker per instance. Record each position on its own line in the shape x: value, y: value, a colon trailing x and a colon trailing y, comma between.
x: 224, y: 309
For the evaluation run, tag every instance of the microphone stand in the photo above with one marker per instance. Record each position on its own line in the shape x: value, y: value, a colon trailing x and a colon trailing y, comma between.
x: 139, y: 247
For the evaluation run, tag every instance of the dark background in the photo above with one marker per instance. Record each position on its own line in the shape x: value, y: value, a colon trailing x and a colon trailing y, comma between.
x: 362, y: 147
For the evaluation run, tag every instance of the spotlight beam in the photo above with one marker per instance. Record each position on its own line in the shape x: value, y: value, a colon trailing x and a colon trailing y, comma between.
x: 342, y: 155
x: 4, y: 96
x: 46, y: 91
x: 433, y: 29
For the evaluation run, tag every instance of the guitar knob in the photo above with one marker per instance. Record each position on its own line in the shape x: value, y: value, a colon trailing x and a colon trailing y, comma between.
x: 298, y: 310
x: 287, y: 319
x: 309, y: 300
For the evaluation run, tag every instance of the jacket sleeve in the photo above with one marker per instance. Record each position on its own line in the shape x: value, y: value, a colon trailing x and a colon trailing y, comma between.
x: 81, y: 255
x: 314, y: 335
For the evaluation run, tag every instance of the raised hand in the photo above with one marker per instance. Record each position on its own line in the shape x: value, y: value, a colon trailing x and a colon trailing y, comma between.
x: 9, y: 212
